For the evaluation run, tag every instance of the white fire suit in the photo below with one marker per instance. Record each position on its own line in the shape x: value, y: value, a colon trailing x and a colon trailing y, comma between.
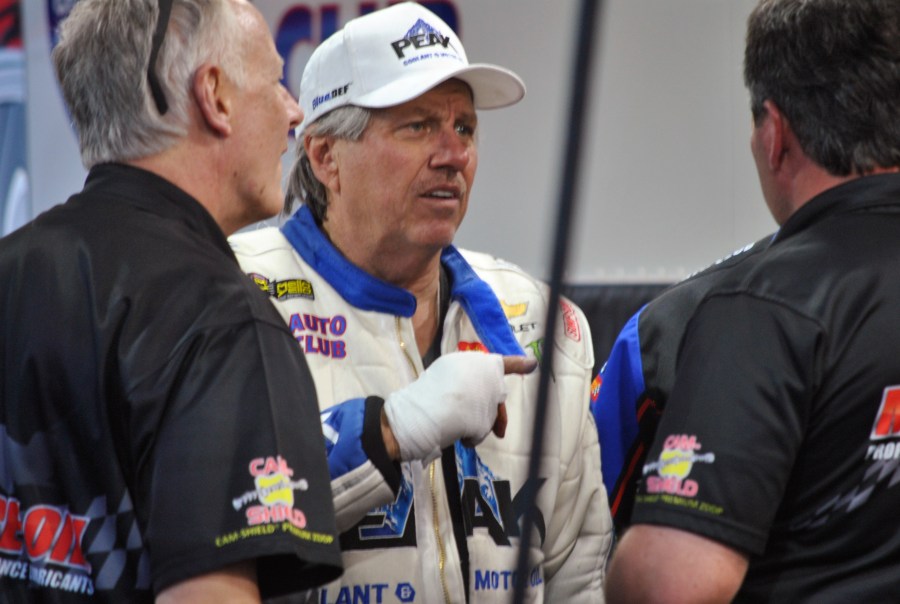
x: 448, y: 532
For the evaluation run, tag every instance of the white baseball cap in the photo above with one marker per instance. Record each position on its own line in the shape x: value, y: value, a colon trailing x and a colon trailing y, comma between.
x: 394, y: 55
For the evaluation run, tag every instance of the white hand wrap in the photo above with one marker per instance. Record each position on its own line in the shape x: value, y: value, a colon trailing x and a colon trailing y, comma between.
x: 457, y: 397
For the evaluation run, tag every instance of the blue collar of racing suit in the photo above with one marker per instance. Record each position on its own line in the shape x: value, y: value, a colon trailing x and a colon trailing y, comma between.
x: 366, y: 292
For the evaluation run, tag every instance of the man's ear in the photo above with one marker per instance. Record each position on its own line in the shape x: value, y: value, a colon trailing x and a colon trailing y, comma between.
x: 777, y: 136
x: 323, y: 159
x: 212, y: 93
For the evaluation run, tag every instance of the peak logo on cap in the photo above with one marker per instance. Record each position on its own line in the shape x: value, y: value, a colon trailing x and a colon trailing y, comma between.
x: 420, y: 35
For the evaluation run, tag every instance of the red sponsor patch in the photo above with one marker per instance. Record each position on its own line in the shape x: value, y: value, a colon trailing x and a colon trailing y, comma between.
x: 570, y: 321
x: 887, y: 422
x: 42, y: 532
x: 477, y: 346
x: 595, y: 388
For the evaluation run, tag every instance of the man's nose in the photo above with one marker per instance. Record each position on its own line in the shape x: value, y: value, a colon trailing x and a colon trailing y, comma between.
x: 452, y: 150
x: 295, y: 114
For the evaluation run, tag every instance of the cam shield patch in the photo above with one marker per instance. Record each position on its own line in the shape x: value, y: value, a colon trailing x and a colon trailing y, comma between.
x: 676, y: 460
x: 271, y: 506
x: 272, y: 499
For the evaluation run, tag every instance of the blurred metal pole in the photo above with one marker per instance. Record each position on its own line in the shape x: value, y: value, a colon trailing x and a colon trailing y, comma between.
x: 589, y: 27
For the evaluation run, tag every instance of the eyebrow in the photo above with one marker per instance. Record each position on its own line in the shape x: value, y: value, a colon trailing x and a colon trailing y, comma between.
x: 426, y: 111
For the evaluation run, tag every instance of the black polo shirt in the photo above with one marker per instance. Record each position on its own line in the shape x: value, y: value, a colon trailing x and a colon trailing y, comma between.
x: 157, y: 419
x: 781, y: 436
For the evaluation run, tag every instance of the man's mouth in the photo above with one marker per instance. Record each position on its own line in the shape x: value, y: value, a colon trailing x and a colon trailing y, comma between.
x: 443, y: 193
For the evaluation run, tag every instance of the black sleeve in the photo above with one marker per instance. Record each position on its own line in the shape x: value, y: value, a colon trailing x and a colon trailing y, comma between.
x: 734, y: 422
x: 234, y: 469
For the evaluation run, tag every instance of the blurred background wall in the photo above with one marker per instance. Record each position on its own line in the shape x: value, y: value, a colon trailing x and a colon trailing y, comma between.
x: 668, y: 180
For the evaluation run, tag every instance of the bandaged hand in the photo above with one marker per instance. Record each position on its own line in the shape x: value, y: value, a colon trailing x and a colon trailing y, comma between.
x: 456, y: 398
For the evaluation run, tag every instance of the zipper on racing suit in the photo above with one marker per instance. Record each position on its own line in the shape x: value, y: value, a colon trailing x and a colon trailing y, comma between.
x: 431, y: 472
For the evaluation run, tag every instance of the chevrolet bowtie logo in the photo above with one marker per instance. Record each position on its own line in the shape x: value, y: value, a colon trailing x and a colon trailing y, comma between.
x: 514, y: 310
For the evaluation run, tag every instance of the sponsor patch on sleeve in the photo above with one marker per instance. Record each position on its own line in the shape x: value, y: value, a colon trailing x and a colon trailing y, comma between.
x: 288, y: 289
x: 271, y: 506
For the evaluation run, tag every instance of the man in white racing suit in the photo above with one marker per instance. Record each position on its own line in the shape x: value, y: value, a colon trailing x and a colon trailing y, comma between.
x: 395, y: 322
